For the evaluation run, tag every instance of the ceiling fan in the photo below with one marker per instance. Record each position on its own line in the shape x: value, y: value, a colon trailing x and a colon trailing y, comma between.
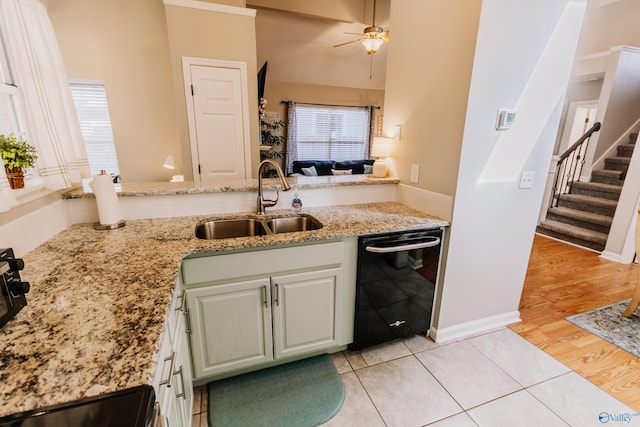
x: 372, y: 37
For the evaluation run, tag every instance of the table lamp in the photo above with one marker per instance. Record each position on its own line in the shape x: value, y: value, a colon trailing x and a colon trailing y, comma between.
x: 380, y: 150
x: 169, y: 163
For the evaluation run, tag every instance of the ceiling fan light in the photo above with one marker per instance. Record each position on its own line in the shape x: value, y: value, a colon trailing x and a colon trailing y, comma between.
x: 372, y: 44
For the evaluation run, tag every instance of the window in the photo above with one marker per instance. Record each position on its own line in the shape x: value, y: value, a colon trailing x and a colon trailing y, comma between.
x: 90, y: 100
x: 332, y: 132
x: 10, y: 119
x: 35, y: 103
x: 8, y: 92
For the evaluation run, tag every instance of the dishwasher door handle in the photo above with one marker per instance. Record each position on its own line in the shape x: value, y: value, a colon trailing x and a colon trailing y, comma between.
x: 400, y: 248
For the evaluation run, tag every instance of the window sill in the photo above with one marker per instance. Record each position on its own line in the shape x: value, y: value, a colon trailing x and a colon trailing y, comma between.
x: 31, y: 193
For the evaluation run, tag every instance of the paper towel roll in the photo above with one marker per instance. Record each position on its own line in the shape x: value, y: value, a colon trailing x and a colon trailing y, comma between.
x: 109, y: 210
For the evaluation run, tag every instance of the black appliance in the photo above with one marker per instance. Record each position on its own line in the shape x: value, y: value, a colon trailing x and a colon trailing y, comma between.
x: 133, y: 407
x: 13, y: 288
x: 395, y: 285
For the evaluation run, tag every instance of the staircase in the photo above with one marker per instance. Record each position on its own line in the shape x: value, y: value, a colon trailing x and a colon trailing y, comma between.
x: 584, y: 216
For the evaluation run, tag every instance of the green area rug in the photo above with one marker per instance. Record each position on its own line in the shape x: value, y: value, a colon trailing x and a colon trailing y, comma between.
x: 304, y: 393
x: 608, y: 324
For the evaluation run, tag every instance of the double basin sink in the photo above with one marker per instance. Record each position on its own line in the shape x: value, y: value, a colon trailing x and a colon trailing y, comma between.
x: 255, y: 226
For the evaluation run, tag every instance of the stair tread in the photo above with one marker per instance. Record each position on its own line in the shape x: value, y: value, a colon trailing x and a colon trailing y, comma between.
x: 605, y: 172
x: 599, y: 186
x: 581, y: 215
x: 590, y: 199
x: 608, y: 176
x: 564, y: 238
x: 574, y: 231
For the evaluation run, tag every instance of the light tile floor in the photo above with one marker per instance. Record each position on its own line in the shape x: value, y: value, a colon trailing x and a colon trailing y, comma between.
x: 496, y: 379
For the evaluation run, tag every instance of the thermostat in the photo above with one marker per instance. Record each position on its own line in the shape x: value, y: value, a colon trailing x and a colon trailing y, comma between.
x: 505, y: 119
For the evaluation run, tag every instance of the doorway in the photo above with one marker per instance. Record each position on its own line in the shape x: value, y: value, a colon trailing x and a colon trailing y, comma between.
x: 580, y: 117
x: 218, y: 115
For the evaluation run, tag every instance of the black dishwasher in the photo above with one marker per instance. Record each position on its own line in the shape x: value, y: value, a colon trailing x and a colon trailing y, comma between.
x: 395, y: 285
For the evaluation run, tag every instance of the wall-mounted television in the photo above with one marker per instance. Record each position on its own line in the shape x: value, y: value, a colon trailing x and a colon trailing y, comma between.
x: 262, y: 78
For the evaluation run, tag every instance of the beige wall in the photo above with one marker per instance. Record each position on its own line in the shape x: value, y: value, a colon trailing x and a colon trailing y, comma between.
x: 276, y: 92
x: 428, y: 78
x: 613, y: 25
x: 124, y: 43
x: 217, y: 35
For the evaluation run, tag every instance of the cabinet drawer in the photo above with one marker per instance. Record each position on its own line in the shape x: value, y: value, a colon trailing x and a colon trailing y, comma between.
x: 263, y: 262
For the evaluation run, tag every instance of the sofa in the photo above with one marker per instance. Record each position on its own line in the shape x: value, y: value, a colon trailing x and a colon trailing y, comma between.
x: 331, y: 167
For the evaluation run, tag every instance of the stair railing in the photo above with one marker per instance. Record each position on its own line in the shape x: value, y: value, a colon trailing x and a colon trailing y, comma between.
x: 569, y: 166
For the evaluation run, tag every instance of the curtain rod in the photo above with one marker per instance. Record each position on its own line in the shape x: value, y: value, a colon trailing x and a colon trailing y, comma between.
x: 331, y: 105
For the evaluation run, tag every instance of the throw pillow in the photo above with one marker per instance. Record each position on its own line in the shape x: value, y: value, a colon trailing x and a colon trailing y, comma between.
x: 368, y: 168
x: 310, y: 171
x: 341, y: 171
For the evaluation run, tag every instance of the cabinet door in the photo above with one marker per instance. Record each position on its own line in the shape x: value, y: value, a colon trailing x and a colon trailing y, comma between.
x: 182, y: 383
x: 230, y: 326
x: 305, y: 315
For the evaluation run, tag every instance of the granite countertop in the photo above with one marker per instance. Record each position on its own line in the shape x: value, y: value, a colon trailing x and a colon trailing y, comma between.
x: 99, y: 299
x: 188, y: 187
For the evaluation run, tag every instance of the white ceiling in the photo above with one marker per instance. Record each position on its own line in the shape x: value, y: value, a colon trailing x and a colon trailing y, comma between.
x: 299, y: 49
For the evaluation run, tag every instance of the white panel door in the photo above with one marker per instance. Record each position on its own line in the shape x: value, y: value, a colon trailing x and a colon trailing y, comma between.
x: 219, y: 124
x: 304, y: 311
x: 230, y: 326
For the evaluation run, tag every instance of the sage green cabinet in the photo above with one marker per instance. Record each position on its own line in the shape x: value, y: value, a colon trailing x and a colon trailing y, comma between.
x: 259, y: 308
x: 306, y: 311
x: 173, y: 378
x: 230, y: 326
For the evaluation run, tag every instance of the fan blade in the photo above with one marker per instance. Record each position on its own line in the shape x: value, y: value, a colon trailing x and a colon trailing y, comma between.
x: 353, y: 34
x: 345, y: 43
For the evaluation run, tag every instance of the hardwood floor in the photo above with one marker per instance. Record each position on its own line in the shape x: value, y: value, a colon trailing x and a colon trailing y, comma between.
x: 563, y: 280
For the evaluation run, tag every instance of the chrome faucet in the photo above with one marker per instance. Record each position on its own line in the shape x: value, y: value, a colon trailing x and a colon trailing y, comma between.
x: 266, y: 203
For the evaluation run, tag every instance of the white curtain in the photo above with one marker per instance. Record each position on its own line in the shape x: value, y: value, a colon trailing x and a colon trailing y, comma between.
x: 51, y: 122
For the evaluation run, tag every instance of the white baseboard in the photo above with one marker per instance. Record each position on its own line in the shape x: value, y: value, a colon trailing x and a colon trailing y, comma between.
x: 427, y: 201
x: 476, y: 327
x: 612, y: 256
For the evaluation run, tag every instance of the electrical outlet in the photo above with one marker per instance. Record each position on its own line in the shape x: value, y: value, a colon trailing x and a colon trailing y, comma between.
x: 415, y: 173
x: 526, y: 181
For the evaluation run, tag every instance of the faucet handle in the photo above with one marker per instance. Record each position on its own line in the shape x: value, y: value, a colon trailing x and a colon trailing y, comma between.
x: 269, y: 202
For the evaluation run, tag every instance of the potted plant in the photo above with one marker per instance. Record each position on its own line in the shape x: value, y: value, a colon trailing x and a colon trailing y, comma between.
x: 17, y: 155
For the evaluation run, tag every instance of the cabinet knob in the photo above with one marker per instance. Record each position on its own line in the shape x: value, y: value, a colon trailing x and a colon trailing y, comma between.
x: 18, y: 288
x: 16, y: 264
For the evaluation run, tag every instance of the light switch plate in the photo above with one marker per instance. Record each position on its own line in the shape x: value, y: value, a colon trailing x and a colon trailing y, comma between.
x: 526, y: 181
x: 415, y: 173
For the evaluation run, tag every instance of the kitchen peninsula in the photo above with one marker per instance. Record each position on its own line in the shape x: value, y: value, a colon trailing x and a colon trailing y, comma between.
x: 99, y: 300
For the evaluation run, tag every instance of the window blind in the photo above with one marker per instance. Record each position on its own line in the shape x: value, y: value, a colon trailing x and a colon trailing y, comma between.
x: 90, y: 100
x: 332, y: 132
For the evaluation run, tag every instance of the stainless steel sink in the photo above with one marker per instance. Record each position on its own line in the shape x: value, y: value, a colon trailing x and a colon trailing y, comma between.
x: 293, y: 223
x: 227, y: 228
x: 260, y: 226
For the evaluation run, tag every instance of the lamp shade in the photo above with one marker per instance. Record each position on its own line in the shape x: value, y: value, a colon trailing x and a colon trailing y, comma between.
x: 381, y: 147
x: 169, y: 163
x: 372, y: 45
